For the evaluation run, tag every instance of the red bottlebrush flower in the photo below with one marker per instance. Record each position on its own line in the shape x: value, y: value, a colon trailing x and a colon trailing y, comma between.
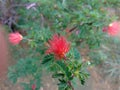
x: 15, y: 38
x: 33, y: 87
x: 114, y: 29
x: 58, y: 46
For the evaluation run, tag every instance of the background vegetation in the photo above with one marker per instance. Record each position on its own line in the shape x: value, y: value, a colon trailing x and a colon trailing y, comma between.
x: 80, y: 21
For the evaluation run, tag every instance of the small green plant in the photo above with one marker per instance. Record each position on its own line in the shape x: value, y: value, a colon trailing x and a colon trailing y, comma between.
x: 52, y: 32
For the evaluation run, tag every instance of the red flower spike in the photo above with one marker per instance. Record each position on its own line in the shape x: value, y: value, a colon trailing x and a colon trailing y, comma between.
x: 15, y: 38
x: 33, y: 87
x: 114, y: 28
x: 58, y: 46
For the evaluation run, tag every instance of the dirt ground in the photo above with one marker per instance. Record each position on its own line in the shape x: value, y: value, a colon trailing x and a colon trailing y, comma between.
x: 95, y: 82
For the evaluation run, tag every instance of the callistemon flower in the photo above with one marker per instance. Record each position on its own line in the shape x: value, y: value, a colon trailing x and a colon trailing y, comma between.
x: 58, y: 46
x: 113, y: 29
x: 15, y: 38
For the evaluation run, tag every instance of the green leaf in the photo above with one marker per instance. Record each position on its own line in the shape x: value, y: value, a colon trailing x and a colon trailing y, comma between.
x: 48, y: 58
x: 63, y: 67
x: 22, y: 68
x: 12, y: 77
x: 82, y: 81
x: 26, y: 86
x: 82, y: 77
x: 62, y: 85
x: 58, y: 75
x: 76, y: 54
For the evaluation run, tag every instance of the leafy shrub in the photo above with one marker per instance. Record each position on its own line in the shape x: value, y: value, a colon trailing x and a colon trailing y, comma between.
x: 79, y: 21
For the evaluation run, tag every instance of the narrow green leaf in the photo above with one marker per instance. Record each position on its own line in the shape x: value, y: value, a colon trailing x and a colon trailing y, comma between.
x: 48, y: 58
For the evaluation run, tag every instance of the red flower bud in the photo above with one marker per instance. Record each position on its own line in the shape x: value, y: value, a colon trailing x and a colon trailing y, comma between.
x: 114, y: 28
x: 33, y: 87
x: 15, y: 38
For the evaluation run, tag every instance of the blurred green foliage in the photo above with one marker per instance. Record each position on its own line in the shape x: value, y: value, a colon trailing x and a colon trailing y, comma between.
x: 47, y: 17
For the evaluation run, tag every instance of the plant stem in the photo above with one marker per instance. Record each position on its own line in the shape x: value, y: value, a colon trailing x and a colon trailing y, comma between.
x: 70, y: 84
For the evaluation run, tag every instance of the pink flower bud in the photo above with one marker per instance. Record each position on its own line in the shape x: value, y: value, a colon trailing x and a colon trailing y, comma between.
x: 33, y: 87
x: 114, y: 29
x: 15, y: 38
